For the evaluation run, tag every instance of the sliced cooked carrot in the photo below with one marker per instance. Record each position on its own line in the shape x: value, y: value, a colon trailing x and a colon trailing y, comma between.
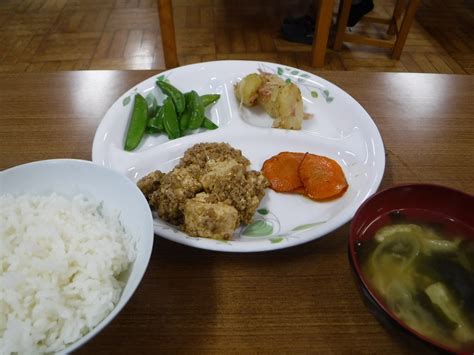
x: 322, y: 177
x: 282, y: 171
x: 299, y: 190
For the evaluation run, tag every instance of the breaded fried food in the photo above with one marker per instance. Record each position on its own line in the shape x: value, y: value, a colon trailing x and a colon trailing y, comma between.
x: 218, y: 170
x: 237, y: 187
x: 176, y: 187
x: 209, y: 193
x: 150, y: 183
x: 210, y: 220
x: 201, y: 153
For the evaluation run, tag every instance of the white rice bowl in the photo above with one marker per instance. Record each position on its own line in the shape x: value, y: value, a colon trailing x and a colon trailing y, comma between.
x: 69, y: 257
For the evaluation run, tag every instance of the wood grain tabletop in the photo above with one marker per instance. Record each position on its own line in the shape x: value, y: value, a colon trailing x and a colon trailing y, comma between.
x: 297, y: 300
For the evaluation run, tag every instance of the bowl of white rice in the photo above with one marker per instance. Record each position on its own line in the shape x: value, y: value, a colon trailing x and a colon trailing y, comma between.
x: 75, y: 241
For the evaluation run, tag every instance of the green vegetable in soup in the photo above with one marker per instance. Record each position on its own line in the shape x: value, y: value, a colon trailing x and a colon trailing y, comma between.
x: 440, y: 296
x: 403, y: 301
x: 432, y: 242
x: 390, y: 230
x: 397, y: 249
x: 426, y: 278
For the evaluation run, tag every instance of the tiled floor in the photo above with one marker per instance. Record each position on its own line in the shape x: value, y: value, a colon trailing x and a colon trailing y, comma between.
x: 51, y: 35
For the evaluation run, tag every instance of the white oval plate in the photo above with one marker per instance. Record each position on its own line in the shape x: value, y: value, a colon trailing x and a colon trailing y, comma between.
x: 340, y: 129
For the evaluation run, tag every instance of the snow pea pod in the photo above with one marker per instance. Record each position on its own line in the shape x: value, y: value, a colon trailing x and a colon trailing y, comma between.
x: 156, y: 122
x: 208, y: 124
x: 152, y: 104
x: 137, y: 125
x: 197, y: 111
x: 170, y: 120
x: 176, y: 95
x: 186, y: 116
x: 152, y: 130
x: 209, y: 99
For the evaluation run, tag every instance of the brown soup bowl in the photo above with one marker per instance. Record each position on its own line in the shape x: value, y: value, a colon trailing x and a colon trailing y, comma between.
x: 446, y: 208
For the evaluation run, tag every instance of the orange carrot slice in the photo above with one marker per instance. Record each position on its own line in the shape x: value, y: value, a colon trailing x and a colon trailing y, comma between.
x: 322, y: 177
x: 282, y: 171
x: 299, y: 190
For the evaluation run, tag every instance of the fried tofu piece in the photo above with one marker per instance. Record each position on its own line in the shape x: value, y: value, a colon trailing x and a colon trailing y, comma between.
x: 150, y: 183
x: 175, y: 188
x: 239, y: 188
x: 209, y: 193
x: 210, y: 220
x: 218, y: 170
x: 205, y: 197
x: 201, y: 153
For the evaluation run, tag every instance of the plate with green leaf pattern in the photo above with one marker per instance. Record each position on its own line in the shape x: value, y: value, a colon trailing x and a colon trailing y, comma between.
x: 340, y: 129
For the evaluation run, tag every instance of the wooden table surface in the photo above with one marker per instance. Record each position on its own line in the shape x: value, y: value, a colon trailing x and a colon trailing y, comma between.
x: 297, y: 300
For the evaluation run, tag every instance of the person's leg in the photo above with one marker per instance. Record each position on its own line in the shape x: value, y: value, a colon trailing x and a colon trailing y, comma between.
x: 301, y: 29
x: 359, y: 9
x: 307, y: 17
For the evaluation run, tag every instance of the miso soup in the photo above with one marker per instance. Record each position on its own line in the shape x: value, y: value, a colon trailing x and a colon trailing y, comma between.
x: 422, y: 267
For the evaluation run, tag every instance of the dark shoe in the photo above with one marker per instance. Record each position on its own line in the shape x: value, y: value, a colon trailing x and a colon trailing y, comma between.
x: 306, y: 19
x: 302, y: 32
x: 358, y: 11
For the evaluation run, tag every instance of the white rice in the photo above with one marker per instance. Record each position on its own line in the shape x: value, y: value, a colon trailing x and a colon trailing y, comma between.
x: 60, y: 260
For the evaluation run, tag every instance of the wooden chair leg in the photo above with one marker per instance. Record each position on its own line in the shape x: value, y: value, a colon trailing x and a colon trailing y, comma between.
x: 321, y: 31
x: 165, y: 11
x: 344, y: 10
x: 404, y: 28
x: 397, y: 12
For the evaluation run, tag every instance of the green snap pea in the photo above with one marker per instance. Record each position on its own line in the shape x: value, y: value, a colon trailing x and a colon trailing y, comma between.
x: 197, y: 111
x: 185, y: 117
x: 170, y: 119
x: 152, y: 130
x: 176, y: 95
x: 137, y: 125
x: 209, y: 99
x: 152, y: 104
x: 184, y: 120
x: 208, y: 124
x: 156, y: 122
